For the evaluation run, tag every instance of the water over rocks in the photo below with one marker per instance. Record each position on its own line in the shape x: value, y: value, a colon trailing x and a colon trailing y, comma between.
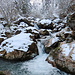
x: 20, y: 41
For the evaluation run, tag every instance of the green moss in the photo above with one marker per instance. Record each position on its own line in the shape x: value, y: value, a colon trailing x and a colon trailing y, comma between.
x: 55, y: 52
x: 70, y: 57
x: 1, y: 73
x: 57, y: 49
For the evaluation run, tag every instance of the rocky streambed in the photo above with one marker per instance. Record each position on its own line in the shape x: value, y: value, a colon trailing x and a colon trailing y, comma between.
x: 28, y: 37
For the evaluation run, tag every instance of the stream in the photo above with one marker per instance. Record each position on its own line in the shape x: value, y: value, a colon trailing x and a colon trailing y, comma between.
x: 35, y: 66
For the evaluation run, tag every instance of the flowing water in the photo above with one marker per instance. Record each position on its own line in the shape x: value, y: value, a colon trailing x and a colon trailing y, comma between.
x: 36, y: 66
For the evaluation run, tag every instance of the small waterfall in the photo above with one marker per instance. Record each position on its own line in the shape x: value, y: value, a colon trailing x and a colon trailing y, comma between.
x: 40, y: 48
x: 35, y: 25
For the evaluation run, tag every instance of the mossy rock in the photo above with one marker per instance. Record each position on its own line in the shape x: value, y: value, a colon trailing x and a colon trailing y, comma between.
x: 55, y: 51
x: 1, y: 73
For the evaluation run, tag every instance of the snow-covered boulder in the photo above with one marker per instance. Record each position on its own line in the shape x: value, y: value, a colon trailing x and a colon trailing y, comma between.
x: 51, y: 43
x: 65, y: 35
x: 45, y: 24
x: 33, y: 31
x: 19, y: 47
x: 63, y: 57
x: 23, y: 19
x: 59, y: 24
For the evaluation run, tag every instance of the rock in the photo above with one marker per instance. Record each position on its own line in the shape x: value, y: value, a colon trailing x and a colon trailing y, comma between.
x: 51, y: 43
x: 1, y: 40
x: 1, y: 73
x: 45, y: 24
x: 4, y: 23
x: 17, y: 32
x: 71, y: 21
x: 64, y: 57
x: 43, y: 32
x: 35, y: 34
x: 65, y: 35
x: 8, y: 34
x: 24, y: 49
x: 23, y: 19
x: 5, y: 73
x: 21, y: 55
x: 73, y: 34
x: 2, y: 53
x: 15, y: 55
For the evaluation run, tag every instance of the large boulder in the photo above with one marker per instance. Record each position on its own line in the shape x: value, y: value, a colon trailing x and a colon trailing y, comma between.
x: 51, y: 43
x: 35, y: 34
x: 65, y: 35
x: 63, y: 57
x: 45, y: 24
x: 71, y: 21
x: 19, y: 47
x: 23, y: 19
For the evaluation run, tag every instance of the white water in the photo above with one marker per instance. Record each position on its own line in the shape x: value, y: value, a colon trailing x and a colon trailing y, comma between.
x: 38, y: 66
x: 40, y: 48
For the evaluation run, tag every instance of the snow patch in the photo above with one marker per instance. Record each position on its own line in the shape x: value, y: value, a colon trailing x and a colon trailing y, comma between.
x: 47, y: 21
x: 66, y: 49
x: 33, y: 29
x: 19, y: 42
x: 73, y: 55
x: 55, y: 40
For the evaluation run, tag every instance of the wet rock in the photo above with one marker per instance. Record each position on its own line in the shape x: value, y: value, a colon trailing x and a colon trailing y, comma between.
x: 5, y: 73
x: 2, y: 53
x: 1, y: 73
